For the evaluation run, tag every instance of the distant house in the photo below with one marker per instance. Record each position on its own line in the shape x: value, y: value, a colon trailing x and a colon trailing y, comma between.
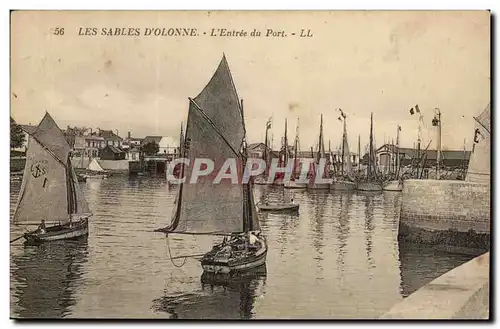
x: 166, y: 145
x: 133, y: 154
x: 256, y: 150
x: 110, y: 138
x: 111, y: 152
x: 131, y: 142
x: 387, y: 154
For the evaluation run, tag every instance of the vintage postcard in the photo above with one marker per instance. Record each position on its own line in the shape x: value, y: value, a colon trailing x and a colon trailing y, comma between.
x: 250, y: 164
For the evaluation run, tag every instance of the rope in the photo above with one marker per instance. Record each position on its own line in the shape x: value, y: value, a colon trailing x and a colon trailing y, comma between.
x: 170, y: 254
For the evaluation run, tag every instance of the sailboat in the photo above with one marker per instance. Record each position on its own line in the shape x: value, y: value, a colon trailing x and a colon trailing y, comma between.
x: 292, y: 183
x: 370, y: 182
x: 396, y: 185
x: 313, y: 185
x: 95, y: 170
x: 216, y: 130
x: 281, y: 178
x: 49, y: 190
x: 344, y: 181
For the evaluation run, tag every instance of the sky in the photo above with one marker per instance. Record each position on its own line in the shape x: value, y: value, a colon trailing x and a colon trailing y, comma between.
x: 361, y: 62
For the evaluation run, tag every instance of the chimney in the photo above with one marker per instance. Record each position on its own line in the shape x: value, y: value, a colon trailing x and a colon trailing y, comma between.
x: 129, y: 135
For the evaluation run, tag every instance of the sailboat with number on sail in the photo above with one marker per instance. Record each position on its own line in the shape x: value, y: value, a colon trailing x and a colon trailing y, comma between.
x: 216, y: 130
x: 50, y: 190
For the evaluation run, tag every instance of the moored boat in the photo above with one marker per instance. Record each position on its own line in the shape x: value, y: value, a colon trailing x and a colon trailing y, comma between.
x: 395, y: 185
x: 50, y: 191
x: 371, y: 182
x: 343, y: 185
x: 343, y: 182
x: 369, y: 186
x: 216, y: 129
x: 293, y: 184
x: 320, y: 157
x: 280, y: 207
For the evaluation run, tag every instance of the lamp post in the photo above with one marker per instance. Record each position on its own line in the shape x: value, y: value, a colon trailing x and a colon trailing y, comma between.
x: 436, y: 122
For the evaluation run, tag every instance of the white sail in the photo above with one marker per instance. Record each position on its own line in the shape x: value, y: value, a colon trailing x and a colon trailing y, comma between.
x: 95, y: 166
x: 479, y: 162
x: 214, y: 131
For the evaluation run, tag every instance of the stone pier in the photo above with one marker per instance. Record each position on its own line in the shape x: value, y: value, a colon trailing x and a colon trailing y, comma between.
x: 462, y: 293
x: 451, y: 215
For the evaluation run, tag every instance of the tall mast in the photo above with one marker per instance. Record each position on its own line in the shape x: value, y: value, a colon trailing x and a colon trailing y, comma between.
x: 397, y: 152
x: 320, y: 142
x: 371, y: 148
x: 247, y: 209
x: 286, y: 143
x: 264, y: 155
x: 359, y: 153
x: 344, y: 136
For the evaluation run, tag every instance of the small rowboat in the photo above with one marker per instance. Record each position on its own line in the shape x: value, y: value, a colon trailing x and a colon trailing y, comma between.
x: 66, y: 231
x: 278, y: 207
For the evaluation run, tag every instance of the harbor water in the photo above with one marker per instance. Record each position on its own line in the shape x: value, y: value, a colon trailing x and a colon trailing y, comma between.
x: 337, y: 258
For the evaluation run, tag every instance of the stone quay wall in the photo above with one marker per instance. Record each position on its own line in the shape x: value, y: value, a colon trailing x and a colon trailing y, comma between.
x: 451, y: 214
x: 462, y: 293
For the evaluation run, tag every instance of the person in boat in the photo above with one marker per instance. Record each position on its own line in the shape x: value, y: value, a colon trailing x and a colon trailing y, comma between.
x: 42, y: 227
x: 252, y: 241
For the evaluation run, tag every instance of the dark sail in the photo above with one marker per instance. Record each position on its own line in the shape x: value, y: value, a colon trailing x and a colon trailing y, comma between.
x: 215, y: 130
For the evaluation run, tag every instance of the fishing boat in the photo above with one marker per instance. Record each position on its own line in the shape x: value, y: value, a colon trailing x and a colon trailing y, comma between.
x: 370, y: 182
x: 319, y: 161
x: 343, y: 181
x: 293, y: 183
x: 284, y: 156
x: 49, y: 190
x: 216, y: 129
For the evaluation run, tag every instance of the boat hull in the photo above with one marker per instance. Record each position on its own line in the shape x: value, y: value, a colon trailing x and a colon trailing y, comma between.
x: 59, y: 232
x: 369, y: 187
x: 395, y: 186
x: 294, y: 185
x: 343, y: 186
x: 323, y: 186
x: 233, y: 264
x: 278, y: 207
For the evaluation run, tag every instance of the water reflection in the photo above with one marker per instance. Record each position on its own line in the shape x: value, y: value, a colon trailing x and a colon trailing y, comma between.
x: 46, y: 278
x: 345, y: 201
x: 369, y: 201
x: 220, y: 297
x: 319, y: 201
x: 421, y: 264
x: 338, y: 257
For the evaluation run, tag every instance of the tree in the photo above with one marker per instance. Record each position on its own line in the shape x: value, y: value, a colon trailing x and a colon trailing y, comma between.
x: 150, y: 148
x: 17, y: 137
